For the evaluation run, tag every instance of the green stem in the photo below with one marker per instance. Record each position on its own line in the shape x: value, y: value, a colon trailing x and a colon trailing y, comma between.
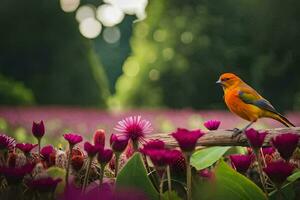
x: 39, y: 145
x: 188, y: 177
x: 101, y: 174
x: 261, y: 175
x: 68, y: 164
x: 86, y: 177
x: 117, y: 154
x: 135, y: 145
x: 161, y: 186
x: 169, y: 180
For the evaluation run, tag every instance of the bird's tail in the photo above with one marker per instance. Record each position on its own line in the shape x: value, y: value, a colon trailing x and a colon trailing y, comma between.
x: 282, y: 119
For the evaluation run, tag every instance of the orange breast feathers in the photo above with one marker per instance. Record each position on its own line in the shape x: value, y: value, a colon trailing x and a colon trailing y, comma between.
x: 236, y: 105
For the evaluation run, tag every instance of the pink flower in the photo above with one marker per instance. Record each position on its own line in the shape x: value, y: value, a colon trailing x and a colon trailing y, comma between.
x: 15, y: 175
x: 118, y: 143
x: 187, y: 139
x: 278, y: 171
x: 46, y: 151
x: 26, y: 147
x: 162, y: 157
x: 47, y: 184
x: 268, y: 150
x: 104, y: 156
x: 255, y: 138
x: 212, y: 124
x: 6, y: 142
x: 153, y: 144
x: 286, y: 144
x: 206, y: 173
x: 241, y: 162
x: 90, y: 149
x: 134, y: 127
x: 38, y: 129
x: 99, y: 137
x: 73, y: 138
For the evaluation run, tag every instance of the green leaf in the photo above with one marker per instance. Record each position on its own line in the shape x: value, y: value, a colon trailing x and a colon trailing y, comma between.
x: 134, y: 175
x: 56, y: 172
x: 233, y: 185
x: 288, y: 192
x: 294, y: 176
x: 173, y: 195
x: 206, y: 157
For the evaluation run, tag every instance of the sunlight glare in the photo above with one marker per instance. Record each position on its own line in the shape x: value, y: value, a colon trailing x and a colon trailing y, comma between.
x: 90, y: 28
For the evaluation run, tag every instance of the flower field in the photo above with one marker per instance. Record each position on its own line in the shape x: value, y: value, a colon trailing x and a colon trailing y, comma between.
x: 68, y: 153
x: 60, y: 120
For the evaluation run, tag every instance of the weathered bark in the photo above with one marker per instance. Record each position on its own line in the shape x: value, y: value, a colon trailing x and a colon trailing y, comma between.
x: 223, y: 137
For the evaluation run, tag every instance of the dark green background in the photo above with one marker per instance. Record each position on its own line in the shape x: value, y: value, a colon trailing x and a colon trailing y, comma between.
x: 44, y: 60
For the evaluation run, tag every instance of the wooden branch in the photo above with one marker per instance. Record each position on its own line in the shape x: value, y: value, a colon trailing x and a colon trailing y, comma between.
x: 223, y: 137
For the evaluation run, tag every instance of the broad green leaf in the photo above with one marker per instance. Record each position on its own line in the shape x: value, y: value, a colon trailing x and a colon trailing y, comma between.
x: 233, y: 185
x: 294, y: 176
x: 134, y: 175
x: 288, y: 192
x: 206, y: 157
x: 173, y: 195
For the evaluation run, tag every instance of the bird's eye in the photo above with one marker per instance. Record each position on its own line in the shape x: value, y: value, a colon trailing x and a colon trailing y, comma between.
x: 225, y: 79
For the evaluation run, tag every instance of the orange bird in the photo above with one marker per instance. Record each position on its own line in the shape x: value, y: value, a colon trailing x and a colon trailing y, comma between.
x: 244, y: 101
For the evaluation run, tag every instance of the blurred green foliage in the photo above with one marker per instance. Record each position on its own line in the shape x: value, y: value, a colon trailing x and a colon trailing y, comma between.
x: 182, y: 47
x: 177, y: 54
x: 42, y: 47
x: 14, y: 93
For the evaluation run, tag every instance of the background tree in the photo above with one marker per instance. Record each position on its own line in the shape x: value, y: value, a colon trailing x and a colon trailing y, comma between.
x: 179, y: 51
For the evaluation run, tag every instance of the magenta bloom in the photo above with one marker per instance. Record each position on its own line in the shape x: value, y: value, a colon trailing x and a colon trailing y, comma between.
x: 286, y: 144
x: 15, y: 175
x: 212, y: 124
x: 104, y: 156
x: 206, y: 173
x: 268, y: 150
x: 38, y: 129
x: 6, y: 142
x: 278, y: 171
x: 153, y: 144
x: 46, y: 151
x: 118, y: 143
x: 73, y: 138
x: 47, y: 184
x: 90, y: 149
x: 99, y: 137
x: 187, y: 139
x: 134, y: 127
x: 159, y: 157
x: 26, y: 147
x: 255, y: 138
x: 241, y: 162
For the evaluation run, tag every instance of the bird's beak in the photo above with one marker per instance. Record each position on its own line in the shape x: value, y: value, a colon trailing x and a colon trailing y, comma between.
x: 219, y: 82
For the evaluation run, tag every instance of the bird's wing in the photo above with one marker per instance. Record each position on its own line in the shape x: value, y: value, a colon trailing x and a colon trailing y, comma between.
x: 253, y: 98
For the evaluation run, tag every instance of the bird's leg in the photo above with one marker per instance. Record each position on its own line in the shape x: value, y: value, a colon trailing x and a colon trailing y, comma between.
x: 237, y: 131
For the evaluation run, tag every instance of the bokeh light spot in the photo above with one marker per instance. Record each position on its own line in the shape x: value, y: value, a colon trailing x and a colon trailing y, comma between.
x: 131, y: 67
x: 110, y: 15
x: 84, y: 12
x: 160, y: 35
x: 131, y: 7
x: 90, y: 28
x: 154, y: 75
x: 69, y: 5
x: 187, y: 37
x: 111, y: 35
x: 168, y: 53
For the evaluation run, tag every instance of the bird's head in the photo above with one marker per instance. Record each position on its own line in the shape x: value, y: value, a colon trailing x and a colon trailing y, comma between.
x: 227, y: 80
